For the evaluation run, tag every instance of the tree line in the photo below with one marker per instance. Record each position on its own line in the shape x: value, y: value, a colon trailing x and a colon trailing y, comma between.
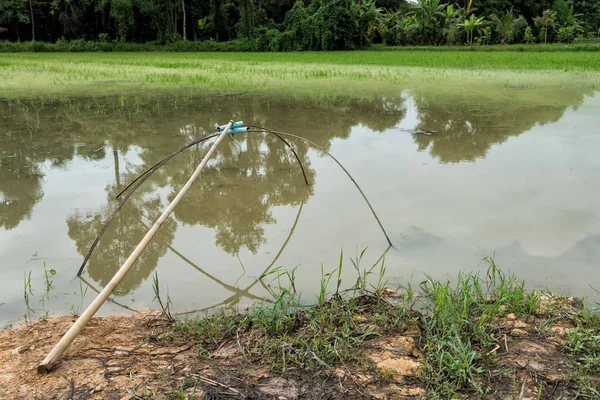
x: 286, y: 25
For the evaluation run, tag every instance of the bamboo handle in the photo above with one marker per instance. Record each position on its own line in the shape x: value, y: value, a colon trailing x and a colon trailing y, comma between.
x: 77, y: 327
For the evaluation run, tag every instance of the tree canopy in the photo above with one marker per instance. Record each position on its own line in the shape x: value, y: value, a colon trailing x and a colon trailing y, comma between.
x: 284, y: 25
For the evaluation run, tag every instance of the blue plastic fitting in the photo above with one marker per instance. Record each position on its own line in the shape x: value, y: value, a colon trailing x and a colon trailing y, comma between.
x: 238, y: 124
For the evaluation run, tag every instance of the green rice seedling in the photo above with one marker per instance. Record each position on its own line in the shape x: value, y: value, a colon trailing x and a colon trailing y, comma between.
x: 27, y: 293
x: 357, y: 74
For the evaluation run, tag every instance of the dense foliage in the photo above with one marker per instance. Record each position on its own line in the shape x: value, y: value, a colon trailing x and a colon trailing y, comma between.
x: 284, y: 25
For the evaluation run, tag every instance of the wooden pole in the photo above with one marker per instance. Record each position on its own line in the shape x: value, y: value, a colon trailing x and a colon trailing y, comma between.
x: 77, y: 327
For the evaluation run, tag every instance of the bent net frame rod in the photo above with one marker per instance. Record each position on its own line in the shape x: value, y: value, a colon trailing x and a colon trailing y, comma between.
x: 137, y: 182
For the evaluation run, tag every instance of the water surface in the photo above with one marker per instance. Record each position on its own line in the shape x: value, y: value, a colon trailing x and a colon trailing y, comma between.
x: 512, y: 173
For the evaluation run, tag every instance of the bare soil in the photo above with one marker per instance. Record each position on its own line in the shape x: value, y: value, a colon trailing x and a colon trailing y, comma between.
x: 131, y: 358
x: 124, y: 358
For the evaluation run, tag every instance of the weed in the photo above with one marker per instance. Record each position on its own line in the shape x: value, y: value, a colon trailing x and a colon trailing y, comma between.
x: 48, y: 283
x: 458, y: 320
x: 293, y: 336
x: 74, y: 310
x: 586, y: 388
x: 27, y: 293
x: 282, y: 292
x: 165, y: 307
x: 361, y: 280
x: 585, y: 344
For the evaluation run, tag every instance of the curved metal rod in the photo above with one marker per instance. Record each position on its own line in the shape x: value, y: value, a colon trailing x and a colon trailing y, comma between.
x: 342, y: 167
x: 145, y: 175
x: 246, y: 292
x: 295, y: 154
x: 140, y: 180
x: 197, y: 141
x: 153, y: 168
x: 196, y: 267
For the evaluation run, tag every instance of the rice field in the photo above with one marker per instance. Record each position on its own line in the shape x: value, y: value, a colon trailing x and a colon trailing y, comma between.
x: 355, y: 74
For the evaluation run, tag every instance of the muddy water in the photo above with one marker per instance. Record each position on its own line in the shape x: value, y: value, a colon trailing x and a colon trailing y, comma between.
x: 512, y: 173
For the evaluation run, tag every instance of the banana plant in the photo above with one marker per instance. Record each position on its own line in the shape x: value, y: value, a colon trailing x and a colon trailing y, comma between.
x: 470, y: 25
x: 452, y: 22
x: 568, y: 18
x: 371, y: 18
x: 428, y: 15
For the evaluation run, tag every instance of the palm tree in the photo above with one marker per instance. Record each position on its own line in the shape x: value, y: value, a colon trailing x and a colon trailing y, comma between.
x: 428, y: 14
x: 507, y: 26
x: 470, y: 25
x: 547, y: 20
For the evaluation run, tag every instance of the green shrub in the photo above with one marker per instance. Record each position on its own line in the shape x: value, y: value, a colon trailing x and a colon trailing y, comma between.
x: 288, y: 42
x: 566, y: 34
x: 76, y: 46
x: 238, y: 45
x: 267, y: 40
x: 529, y: 38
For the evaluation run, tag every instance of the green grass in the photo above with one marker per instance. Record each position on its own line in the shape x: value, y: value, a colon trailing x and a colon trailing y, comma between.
x: 310, y: 338
x: 584, y: 342
x: 457, y: 324
x: 567, y: 60
x: 350, y: 74
x: 588, y: 45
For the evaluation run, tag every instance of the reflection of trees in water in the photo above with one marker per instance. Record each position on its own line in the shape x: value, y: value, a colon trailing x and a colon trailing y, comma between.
x: 121, y: 237
x: 466, y: 130
x: 20, y: 169
x: 237, y: 204
x: 20, y: 189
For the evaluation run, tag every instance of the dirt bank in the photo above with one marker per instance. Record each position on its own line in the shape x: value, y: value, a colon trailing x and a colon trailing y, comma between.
x: 129, y: 358
x: 143, y: 357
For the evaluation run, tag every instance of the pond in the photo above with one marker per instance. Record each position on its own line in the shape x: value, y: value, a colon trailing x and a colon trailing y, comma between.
x: 510, y: 173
